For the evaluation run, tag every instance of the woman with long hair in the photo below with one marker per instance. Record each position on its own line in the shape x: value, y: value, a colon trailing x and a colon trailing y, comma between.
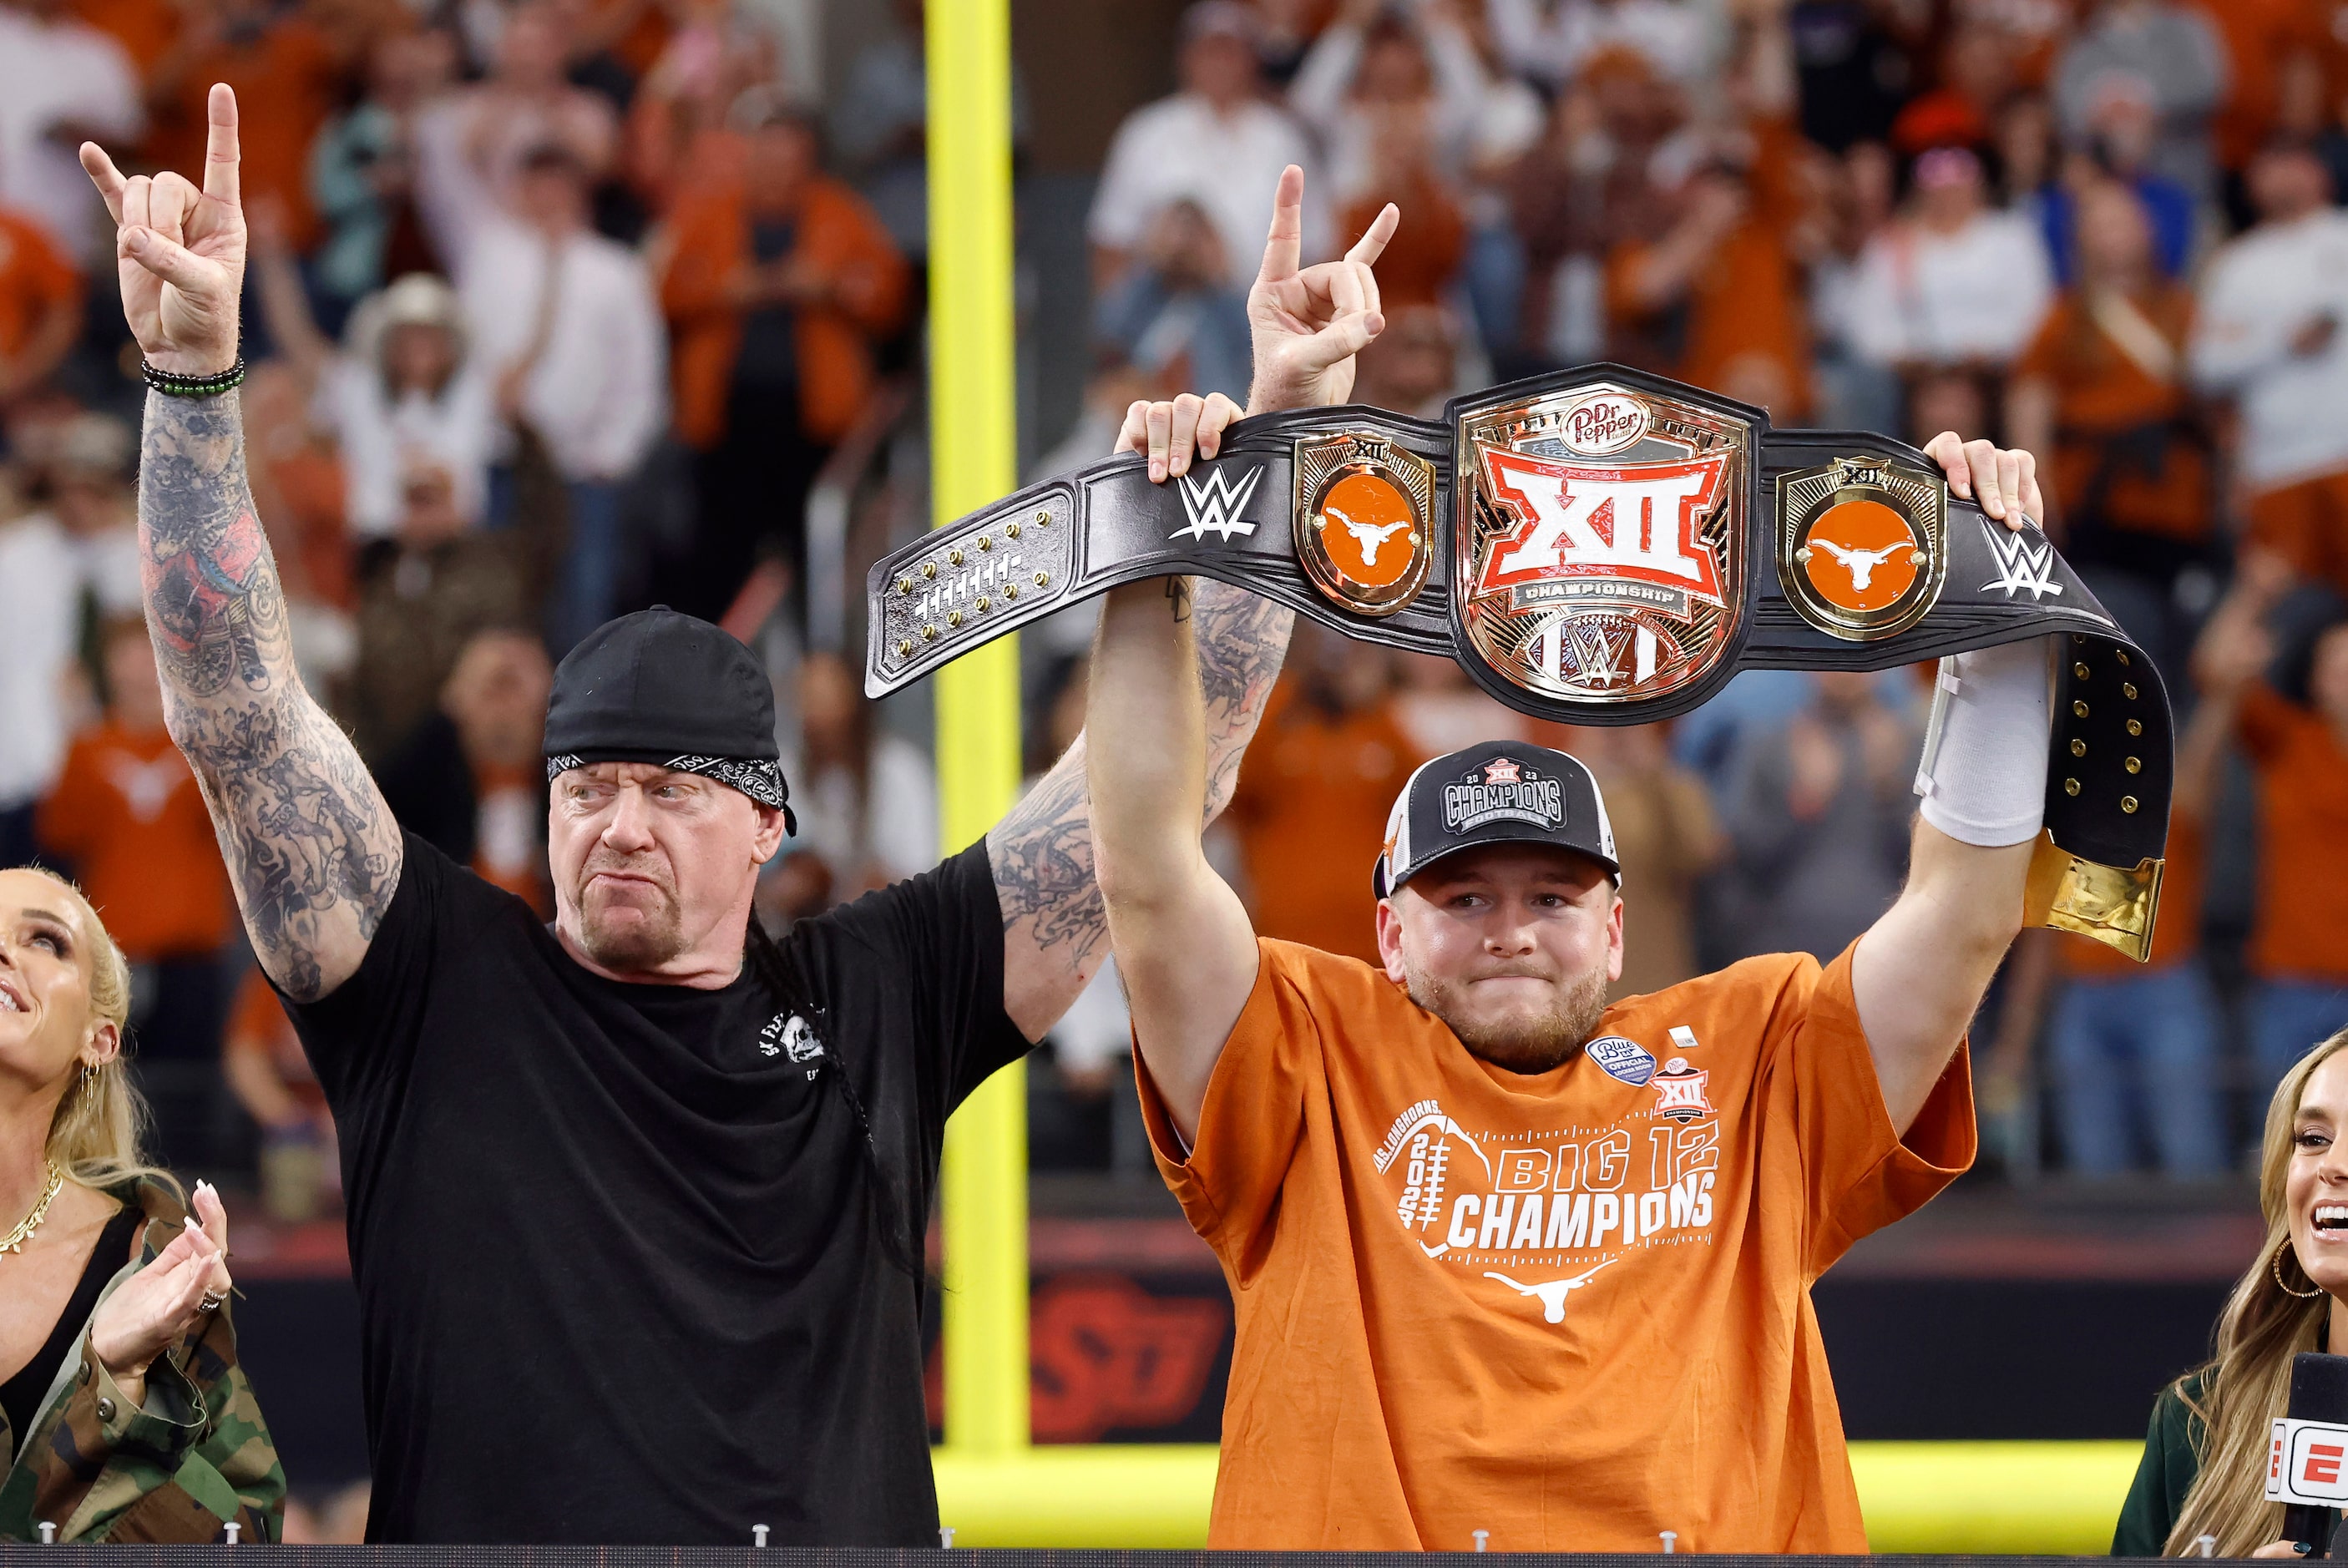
x: 2205, y: 1459
x: 123, y: 1413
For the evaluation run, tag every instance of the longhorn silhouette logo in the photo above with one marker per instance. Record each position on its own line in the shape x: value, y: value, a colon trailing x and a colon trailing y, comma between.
x: 1552, y: 1292
x: 1859, y: 563
x: 1368, y: 535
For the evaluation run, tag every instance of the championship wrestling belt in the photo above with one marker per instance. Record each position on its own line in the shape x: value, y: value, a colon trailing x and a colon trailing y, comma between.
x: 1593, y: 546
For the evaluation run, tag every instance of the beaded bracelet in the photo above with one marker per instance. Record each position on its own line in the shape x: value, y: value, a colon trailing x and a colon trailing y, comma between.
x: 173, y: 385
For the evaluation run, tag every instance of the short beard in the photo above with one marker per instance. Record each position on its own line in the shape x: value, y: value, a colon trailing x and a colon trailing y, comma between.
x: 1520, y: 1046
x: 640, y: 946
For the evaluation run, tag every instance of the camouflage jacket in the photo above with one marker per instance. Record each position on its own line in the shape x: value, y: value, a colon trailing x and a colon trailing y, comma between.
x: 196, y: 1454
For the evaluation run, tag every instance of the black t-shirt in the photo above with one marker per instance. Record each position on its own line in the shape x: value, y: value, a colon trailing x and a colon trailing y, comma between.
x: 619, y: 1271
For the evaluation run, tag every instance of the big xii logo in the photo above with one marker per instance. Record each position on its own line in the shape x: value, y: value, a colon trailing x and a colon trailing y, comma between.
x: 1600, y: 555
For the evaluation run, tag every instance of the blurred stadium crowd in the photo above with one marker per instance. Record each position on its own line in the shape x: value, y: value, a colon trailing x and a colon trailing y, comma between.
x: 560, y: 307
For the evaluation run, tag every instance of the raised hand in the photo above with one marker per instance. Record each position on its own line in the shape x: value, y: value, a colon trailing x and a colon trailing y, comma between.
x: 179, y: 251
x: 1170, y: 432
x: 1306, y: 325
x: 2005, y: 482
x: 149, y: 1312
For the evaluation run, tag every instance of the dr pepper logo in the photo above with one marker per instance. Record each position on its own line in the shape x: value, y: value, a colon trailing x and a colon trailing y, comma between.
x: 1603, y: 423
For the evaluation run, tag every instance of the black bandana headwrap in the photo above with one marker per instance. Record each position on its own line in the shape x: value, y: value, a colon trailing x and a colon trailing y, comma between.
x: 667, y: 689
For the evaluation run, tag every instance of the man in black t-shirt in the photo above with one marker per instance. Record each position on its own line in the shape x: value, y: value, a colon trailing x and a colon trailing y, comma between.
x: 635, y: 1200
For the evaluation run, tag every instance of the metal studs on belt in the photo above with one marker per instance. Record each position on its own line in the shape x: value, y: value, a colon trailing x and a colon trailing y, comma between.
x: 2134, y: 764
x: 2128, y: 804
x: 2079, y: 708
x: 2128, y: 690
x: 2078, y: 748
x: 2070, y: 785
x: 2136, y: 727
x: 2078, y: 670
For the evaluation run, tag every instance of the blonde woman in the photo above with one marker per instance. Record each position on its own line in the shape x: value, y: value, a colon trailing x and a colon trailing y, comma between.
x: 2204, y: 1469
x: 123, y: 1413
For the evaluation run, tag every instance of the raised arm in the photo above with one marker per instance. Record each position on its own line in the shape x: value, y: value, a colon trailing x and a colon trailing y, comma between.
x: 1307, y: 325
x: 310, y: 845
x: 1920, y: 972
x: 1185, y: 947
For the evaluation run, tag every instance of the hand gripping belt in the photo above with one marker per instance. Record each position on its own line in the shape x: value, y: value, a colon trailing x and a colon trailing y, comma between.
x: 1595, y: 546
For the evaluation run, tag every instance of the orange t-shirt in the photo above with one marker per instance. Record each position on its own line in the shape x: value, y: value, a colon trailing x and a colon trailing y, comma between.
x: 1313, y: 793
x: 35, y: 279
x: 126, y: 812
x: 2101, y: 392
x: 1571, y: 1309
x: 2302, y: 922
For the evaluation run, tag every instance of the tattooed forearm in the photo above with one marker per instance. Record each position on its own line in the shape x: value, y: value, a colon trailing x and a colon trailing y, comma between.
x: 1241, y: 637
x: 1055, y: 926
x: 313, y: 852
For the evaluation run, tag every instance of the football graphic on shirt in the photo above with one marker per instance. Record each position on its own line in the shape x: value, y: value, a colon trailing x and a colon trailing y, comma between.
x: 1431, y: 1153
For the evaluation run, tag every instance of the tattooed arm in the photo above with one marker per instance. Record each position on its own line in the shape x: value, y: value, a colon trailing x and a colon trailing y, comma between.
x: 313, y: 851
x: 1307, y: 325
x: 1055, y: 926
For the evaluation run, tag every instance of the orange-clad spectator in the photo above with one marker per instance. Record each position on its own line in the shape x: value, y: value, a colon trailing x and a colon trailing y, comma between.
x: 145, y: 28
x: 1977, y: 72
x: 298, y: 487
x: 2299, y: 943
x: 2102, y: 389
x: 266, y: 1069
x: 1424, y: 257
x: 288, y: 76
x: 777, y: 289
x: 126, y: 815
x: 2266, y: 42
x: 40, y: 306
x: 1717, y: 298
x: 1320, y: 779
x: 677, y: 135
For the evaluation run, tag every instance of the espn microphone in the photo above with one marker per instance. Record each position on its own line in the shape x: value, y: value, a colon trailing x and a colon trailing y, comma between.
x: 2308, y: 1467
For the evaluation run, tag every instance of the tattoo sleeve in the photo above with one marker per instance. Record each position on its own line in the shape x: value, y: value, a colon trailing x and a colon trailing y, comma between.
x: 311, y: 848
x: 1054, y: 928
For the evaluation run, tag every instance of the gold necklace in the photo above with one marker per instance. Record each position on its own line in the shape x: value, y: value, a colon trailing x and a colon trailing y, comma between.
x: 14, y: 1240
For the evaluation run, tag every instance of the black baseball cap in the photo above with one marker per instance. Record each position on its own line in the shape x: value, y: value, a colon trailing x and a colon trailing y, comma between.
x: 669, y: 689
x: 1499, y: 792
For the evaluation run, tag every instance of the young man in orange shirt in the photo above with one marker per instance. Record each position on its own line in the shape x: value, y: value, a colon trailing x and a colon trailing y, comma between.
x: 126, y: 815
x: 1507, y: 1259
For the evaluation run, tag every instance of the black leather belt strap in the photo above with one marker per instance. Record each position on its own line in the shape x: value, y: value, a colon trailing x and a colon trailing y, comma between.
x: 1598, y: 546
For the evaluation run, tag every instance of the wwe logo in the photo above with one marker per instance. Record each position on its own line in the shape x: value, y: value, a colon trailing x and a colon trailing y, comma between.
x: 1216, y: 504
x: 1597, y: 657
x: 2019, y: 563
